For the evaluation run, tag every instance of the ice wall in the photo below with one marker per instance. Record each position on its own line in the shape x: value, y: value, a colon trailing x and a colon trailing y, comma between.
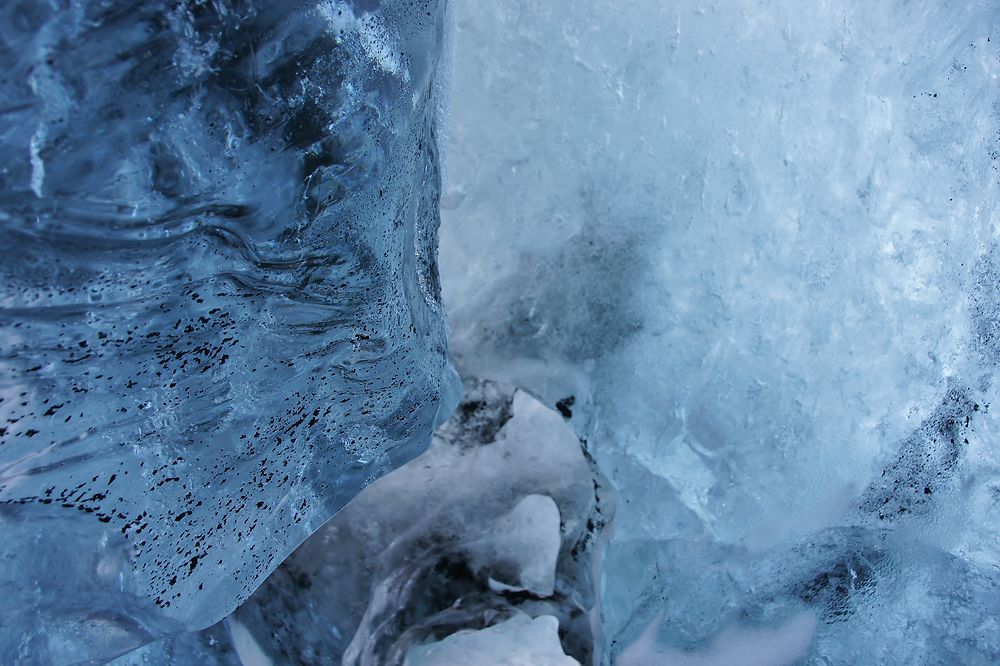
x: 749, y: 249
x: 219, y: 306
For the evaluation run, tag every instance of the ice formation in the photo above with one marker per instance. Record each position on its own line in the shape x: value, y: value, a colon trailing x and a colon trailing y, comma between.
x: 498, y: 520
x: 220, y: 310
x: 723, y: 280
x: 749, y: 250
x: 518, y: 641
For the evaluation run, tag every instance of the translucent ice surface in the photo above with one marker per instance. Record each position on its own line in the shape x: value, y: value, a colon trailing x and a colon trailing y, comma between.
x: 497, y: 521
x: 219, y: 307
x: 518, y: 641
x: 749, y: 249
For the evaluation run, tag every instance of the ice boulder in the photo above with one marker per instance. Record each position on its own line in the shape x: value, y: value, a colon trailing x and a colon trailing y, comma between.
x: 219, y: 303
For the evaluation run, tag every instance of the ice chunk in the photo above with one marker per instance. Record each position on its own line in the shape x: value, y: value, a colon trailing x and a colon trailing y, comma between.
x: 499, y: 517
x: 219, y: 313
x: 528, y: 538
x: 519, y: 641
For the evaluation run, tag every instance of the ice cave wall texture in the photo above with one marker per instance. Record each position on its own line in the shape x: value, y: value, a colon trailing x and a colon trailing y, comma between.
x: 499, y: 332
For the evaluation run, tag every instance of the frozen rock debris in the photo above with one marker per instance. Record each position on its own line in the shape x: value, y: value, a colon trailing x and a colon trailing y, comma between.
x: 219, y: 303
x: 749, y: 250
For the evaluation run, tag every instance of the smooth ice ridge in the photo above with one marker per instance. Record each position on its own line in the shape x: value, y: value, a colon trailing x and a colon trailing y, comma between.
x: 219, y: 305
x: 749, y: 249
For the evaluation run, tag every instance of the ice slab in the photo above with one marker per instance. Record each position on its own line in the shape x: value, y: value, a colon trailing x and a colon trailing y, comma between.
x: 219, y: 307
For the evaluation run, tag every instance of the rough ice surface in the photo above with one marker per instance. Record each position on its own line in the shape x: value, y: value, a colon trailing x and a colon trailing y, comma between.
x: 498, y: 520
x: 219, y: 306
x: 749, y: 250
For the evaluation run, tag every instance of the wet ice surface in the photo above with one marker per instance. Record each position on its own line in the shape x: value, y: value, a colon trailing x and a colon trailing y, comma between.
x: 219, y: 314
x: 749, y: 249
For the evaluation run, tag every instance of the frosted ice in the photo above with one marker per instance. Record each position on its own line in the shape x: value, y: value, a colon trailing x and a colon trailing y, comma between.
x: 527, y: 537
x: 519, y: 641
x: 219, y: 307
x: 749, y: 249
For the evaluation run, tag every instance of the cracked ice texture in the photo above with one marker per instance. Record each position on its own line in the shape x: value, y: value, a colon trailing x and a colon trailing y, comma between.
x: 756, y: 243
x: 219, y: 309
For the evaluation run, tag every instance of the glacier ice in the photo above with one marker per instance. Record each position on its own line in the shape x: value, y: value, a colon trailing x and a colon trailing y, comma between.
x: 219, y: 305
x: 514, y: 642
x: 498, y: 522
x: 749, y: 250
x: 736, y: 260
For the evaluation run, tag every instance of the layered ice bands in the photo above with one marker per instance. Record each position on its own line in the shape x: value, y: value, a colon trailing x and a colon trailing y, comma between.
x: 749, y: 249
x: 219, y: 316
